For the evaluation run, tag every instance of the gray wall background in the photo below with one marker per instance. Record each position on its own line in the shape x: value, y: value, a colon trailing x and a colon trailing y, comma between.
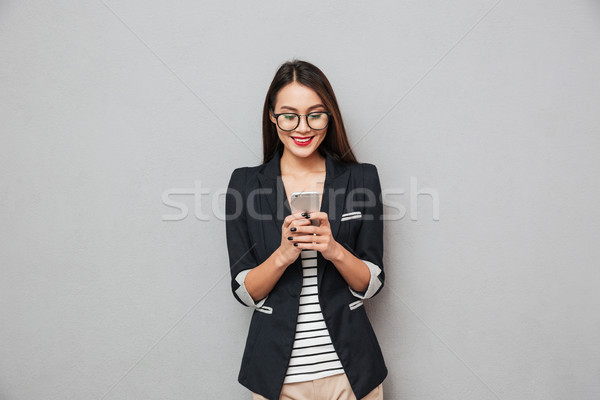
x: 108, y: 108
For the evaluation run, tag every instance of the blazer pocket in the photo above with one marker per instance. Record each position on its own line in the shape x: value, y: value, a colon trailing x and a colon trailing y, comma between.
x: 355, y: 304
x: 265, y: 309
x: 351, y: 215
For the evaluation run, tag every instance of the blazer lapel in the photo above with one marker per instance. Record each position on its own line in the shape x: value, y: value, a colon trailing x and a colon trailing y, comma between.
x: 334, y: 196
x: 277, y: 206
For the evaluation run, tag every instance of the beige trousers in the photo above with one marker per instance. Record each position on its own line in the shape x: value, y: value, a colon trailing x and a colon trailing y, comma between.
x: 335, y: 387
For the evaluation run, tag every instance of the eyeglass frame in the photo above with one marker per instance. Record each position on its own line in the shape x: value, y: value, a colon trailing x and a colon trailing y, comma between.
x: 301, y: 115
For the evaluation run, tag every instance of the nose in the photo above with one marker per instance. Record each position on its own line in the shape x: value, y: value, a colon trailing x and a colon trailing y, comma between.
x: 303, y: 125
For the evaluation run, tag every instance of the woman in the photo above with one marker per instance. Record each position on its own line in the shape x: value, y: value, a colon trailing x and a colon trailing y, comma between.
x: 309, y: 336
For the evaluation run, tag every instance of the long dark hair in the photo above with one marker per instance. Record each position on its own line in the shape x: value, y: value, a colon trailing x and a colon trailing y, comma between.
x: 336, y: 143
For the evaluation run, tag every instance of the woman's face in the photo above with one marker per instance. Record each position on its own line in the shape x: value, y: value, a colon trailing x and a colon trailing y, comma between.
x: 299, y: 99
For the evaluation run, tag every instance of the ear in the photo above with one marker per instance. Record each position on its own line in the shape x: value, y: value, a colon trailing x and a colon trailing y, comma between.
x: 271, y: 117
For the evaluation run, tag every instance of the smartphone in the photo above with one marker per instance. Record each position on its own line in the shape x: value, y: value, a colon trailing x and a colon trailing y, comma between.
x: 306, y: 202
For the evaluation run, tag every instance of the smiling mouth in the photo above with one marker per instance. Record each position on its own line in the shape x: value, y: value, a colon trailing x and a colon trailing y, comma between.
x: 302, y: 140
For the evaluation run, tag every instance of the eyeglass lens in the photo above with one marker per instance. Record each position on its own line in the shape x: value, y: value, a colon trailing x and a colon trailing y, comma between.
x: 315, y: 120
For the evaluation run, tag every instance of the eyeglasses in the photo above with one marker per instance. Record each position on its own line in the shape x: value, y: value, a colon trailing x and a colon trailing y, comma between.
x: 316, y: 120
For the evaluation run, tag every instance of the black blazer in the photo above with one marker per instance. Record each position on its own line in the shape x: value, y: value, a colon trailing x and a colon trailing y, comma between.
x: 256, y: 205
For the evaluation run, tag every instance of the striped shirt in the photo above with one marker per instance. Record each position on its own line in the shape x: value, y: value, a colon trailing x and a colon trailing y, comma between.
x: 313, y: 354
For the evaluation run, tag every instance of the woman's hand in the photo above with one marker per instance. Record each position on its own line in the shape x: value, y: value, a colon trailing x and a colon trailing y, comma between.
x: 288, y: 253
x: 318, y: 238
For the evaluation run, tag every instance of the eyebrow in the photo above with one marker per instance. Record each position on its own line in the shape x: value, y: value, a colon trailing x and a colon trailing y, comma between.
x: 309, y: 108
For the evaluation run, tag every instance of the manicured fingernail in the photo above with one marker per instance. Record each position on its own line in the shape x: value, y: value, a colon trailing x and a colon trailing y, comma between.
x: 303, y: 214
x: 290, y: 238
x: 293, y: 229
x: 307, y: 215
x: 296, y: 244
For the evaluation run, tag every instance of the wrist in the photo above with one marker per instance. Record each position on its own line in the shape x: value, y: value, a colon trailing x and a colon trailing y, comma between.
x: 339, y: 253
x: 278, y: 259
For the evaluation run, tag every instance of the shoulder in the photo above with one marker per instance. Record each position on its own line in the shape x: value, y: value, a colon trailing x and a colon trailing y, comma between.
x: 238, y: 175
x: 241, y: 176
x: 247, y: 171
x: 238, y: 179
x: 365, y: 171
x: 369, y: 169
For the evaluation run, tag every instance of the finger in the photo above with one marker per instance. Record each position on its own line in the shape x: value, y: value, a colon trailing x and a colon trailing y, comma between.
x: 294, y: 226
x: 321, y: 216
x: 291, y: 218
x: 306, y: 228
x: 299, y: 222
x: 310, y: 246
x: 307, y: 238
x: 287, y: 221
x: 298, y: 215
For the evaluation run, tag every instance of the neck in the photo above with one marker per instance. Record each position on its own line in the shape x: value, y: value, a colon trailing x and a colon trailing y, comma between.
x: 292, y: 164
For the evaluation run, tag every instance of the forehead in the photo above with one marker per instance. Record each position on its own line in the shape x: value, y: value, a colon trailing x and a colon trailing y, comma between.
x: 297, y: 96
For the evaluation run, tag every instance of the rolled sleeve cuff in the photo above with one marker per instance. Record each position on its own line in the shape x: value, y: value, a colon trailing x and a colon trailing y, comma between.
x: 374, y: 282
x: 243, y: 294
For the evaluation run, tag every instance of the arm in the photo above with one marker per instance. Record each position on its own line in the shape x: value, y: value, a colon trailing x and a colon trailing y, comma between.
x: 250, y: 283
x: 353, y: 270
x: 261, y: 279
x: 369, y: 243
